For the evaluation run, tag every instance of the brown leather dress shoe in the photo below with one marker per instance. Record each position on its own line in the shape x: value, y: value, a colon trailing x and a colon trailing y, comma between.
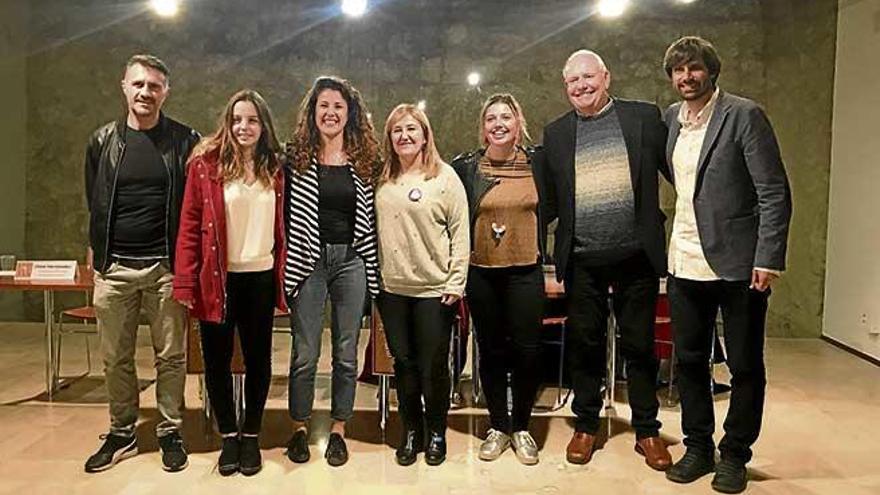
x: 580, y: 448
x: 655, y: 452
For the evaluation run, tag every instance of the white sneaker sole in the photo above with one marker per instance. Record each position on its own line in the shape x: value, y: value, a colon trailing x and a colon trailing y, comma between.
x: 119, y: 455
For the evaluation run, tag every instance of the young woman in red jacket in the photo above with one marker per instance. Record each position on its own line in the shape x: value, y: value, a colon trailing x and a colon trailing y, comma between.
x: 229, y: 261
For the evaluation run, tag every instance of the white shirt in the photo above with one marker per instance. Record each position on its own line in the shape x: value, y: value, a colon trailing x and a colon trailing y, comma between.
x: 250, y: 224
x: 686, y: 258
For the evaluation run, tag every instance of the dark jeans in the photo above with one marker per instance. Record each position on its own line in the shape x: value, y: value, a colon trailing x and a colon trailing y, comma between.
x: 634, y: 288
x: 339, y: 274
x: 418, y: 332
x: 507, y: 305
x: 250, y: 305
x: 693, y: 306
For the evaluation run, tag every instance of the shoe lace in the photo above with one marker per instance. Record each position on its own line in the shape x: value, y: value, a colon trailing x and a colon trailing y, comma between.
x: 690, y: 458
x: 524, y: 439
x: 727, y: 468
x: 494, y: 435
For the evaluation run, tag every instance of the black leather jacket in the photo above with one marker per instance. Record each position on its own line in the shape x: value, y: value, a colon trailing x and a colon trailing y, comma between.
x: 103, y: 155
x: 476, y: 185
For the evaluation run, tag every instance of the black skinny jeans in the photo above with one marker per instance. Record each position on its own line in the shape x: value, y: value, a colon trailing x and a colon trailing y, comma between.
x: 250, y: 306
x: 418, y: 331
x: 507, y: 305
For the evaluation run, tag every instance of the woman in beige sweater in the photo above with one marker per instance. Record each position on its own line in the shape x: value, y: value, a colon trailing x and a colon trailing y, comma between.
x: 424, y: 244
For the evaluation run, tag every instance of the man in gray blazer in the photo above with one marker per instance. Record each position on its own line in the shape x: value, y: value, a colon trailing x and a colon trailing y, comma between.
x: 727, y: 247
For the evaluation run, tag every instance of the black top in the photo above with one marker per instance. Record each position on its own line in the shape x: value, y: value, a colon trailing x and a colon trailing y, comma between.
x: 336, y: 204
x: 139, y: 220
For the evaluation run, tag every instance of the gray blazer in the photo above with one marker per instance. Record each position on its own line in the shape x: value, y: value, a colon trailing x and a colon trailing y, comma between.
x: 742, y: 200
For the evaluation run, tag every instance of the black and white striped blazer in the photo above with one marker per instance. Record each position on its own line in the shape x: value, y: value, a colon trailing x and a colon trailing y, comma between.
x: 303, y: 235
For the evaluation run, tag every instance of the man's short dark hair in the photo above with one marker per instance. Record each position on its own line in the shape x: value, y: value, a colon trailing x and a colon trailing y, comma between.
x: 150, y: 61
x: 690, y: 49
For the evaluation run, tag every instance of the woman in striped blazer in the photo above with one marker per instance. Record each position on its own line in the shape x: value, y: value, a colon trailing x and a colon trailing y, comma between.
x: 331, y: 237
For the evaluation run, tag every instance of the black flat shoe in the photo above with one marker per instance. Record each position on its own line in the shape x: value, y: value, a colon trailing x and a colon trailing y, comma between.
x: 435, y: 453
x: 730, y: 477
x: 229, y: 452
x: 250, y: 460
x: 298, y: 447
x: 409, y: 448
x: 693, y: 466
x: 337, y: 453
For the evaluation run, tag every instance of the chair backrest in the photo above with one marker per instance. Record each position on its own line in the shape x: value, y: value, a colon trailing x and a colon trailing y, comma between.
x: 383, y: 362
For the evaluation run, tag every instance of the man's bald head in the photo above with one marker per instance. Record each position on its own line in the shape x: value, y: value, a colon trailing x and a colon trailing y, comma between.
x: 584, y: 56
x: 586, y: 80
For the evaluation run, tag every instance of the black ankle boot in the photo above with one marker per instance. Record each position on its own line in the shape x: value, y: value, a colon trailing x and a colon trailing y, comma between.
x: 435, y: 453
x: 229, y: 456
x: 409, y: 447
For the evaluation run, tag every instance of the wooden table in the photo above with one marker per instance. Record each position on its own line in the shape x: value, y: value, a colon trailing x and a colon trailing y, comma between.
x: 83, y: 281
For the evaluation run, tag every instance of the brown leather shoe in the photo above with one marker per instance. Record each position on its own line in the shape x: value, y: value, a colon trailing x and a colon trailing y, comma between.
x: 580, y: 448
x: 655, y: 452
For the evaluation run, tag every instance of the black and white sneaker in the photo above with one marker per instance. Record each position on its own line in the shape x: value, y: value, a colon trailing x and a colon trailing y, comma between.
x: 173, y: 454
x: 114, y: 449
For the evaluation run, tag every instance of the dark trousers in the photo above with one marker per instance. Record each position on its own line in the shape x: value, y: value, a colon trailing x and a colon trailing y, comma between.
x: 693, y: 306
x: 507, y: 305
x: 634, y: 288
x: 418, y: 332
x: 250, y: 305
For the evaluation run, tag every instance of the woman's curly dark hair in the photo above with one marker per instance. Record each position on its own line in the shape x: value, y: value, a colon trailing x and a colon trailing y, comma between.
x: 359, y: 140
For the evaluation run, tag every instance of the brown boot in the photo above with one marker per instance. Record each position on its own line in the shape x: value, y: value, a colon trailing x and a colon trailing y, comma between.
x: 580, y: 448
x: 655, y: 452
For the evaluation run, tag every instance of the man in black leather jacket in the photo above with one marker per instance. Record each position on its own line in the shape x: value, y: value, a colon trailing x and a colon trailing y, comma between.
x: 135, y: 170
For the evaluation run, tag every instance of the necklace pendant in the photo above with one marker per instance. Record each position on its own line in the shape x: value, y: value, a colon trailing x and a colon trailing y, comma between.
x: 415, y: 194
x: 498, y: 231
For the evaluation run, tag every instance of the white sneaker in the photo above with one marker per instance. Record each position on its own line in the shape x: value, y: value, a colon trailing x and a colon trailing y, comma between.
x: 525, y: 447
x: 494, y: 445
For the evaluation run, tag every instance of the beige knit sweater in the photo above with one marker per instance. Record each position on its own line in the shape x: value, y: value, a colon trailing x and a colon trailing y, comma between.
x: 424, y: 236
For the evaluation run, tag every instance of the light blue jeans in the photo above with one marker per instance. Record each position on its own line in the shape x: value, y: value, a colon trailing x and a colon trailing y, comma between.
x: 339, y: 273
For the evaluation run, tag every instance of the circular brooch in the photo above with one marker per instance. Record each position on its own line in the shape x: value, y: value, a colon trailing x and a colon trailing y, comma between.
x: 415, y: 194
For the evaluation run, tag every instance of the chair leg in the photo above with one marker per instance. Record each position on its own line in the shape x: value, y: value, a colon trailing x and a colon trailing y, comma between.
x: 88, y: 355
x: 559, y: 402
x: 383, y: 403
x: 238, y: 397
x: 669, y: 400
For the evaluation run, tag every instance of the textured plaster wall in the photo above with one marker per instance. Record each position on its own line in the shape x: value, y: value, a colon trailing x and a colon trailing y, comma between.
x: 423, y: 49
x: 13, y: 140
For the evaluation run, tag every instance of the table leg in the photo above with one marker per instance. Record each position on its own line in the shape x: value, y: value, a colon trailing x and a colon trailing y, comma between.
x: 51, y: 365
x: 384, y: 387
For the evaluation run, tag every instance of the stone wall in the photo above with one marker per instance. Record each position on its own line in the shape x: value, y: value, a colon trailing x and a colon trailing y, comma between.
x: 424, y: 49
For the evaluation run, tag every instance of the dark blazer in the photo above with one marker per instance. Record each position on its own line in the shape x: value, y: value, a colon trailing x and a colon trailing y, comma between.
x: 742, y: 200
x: 645, y: 135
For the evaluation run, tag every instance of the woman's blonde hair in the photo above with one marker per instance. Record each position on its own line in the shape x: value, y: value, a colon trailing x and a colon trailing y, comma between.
x: 511, y: 102
x: 431, y: 161
x: 230, y: 156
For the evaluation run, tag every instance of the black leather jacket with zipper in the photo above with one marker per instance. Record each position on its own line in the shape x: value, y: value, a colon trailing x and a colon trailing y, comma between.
x: 476, y: 185
x: 104, y: 154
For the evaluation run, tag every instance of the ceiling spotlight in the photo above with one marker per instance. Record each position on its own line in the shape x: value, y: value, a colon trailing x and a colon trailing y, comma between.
x: 165, y: 8
x: 421, y: 105
x: 612, y: 8
x: 473, y: 78
x: 354, y: 8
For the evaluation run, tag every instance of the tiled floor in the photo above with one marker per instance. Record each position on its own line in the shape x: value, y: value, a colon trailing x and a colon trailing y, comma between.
x: 820, y: 430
